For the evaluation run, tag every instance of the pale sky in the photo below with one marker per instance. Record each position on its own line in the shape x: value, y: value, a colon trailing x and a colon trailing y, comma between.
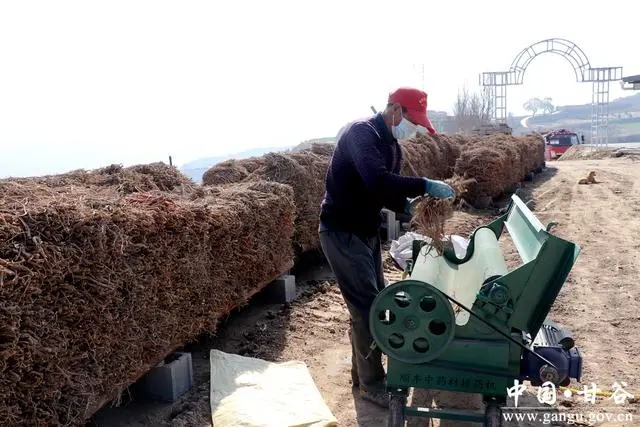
x: 86, y: 84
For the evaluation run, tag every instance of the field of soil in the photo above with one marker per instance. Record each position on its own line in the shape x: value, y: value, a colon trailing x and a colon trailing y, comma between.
x: 599, y: 304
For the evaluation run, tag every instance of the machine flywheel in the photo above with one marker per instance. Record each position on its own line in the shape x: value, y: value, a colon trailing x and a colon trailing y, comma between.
x: 411, y: 321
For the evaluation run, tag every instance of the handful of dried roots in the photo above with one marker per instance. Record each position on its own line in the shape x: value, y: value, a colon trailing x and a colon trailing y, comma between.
x: 430, y: 214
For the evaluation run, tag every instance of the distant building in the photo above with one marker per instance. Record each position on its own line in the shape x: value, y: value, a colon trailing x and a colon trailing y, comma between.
x: 442, y: 122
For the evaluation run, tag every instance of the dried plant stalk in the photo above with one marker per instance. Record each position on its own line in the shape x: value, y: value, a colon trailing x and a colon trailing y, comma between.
x: 98, y: 286
x: 429, y: 217
x: 431, y: 214
x: 304, y: 171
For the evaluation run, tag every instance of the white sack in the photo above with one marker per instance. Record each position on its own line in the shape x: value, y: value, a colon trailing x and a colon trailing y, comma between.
x: 248, y: 392
x: 402, y: 249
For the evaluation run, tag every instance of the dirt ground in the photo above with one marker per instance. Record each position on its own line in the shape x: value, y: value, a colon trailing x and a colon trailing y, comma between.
x: 599, y: 304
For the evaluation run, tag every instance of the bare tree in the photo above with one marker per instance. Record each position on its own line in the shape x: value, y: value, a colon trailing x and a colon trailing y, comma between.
x: 471, y: 110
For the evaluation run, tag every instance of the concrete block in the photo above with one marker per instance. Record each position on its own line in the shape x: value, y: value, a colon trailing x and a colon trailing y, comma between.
x: 171, y: 379
x: 397, y: 229
x: 389, y: 225
x: 283, y: 289
x: 384, y: 233
x: 394, y: 230
x: 389, y: 216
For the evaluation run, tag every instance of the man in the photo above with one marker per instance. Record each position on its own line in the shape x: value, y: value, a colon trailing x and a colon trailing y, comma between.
x: 363, y: 177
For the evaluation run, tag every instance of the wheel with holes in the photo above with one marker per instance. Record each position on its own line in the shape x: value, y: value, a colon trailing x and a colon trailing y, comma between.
x: 412, y: 321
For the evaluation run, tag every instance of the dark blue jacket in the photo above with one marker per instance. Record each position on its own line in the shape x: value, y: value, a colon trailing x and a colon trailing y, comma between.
x: 363, y: 177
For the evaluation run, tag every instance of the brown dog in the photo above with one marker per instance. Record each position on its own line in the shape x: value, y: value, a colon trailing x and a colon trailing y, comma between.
x: 590, y: 179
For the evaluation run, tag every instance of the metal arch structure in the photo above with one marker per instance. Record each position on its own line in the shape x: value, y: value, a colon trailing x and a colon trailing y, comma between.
x: 496, y: 82
x: 564, y: 48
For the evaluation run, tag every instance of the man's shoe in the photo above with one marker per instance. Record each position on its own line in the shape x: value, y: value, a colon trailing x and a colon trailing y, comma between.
x: 376, y: 396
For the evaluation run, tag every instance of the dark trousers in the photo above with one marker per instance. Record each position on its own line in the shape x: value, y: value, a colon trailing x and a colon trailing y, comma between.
x: 357, y: 265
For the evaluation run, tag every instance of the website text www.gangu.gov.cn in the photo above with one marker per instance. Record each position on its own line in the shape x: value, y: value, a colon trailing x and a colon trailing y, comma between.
x: 569, y: 418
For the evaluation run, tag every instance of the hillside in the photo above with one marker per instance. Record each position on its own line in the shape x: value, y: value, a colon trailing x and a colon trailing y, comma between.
x: 624, y: 119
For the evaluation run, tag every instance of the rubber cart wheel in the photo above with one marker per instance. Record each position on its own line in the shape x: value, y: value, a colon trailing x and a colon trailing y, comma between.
x: 395, y: 417
x: 493, y: 416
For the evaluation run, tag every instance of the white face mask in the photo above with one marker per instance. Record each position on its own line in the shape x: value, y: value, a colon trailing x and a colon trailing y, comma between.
x: 406, y: 129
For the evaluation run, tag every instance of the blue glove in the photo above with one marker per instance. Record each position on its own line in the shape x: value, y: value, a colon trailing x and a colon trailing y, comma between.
x: 438, y: 189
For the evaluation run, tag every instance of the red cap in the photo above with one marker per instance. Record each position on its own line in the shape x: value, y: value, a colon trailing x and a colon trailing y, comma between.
x: 415, y: 102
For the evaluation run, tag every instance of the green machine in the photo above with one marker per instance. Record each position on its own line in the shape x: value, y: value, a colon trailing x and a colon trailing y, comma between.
x: 470, y: 325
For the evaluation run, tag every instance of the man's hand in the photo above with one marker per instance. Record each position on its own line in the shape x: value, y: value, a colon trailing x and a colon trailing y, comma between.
x: 439, y: 189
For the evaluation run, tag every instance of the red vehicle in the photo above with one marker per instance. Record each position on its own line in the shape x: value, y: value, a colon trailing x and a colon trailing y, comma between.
x: 559, y: 141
